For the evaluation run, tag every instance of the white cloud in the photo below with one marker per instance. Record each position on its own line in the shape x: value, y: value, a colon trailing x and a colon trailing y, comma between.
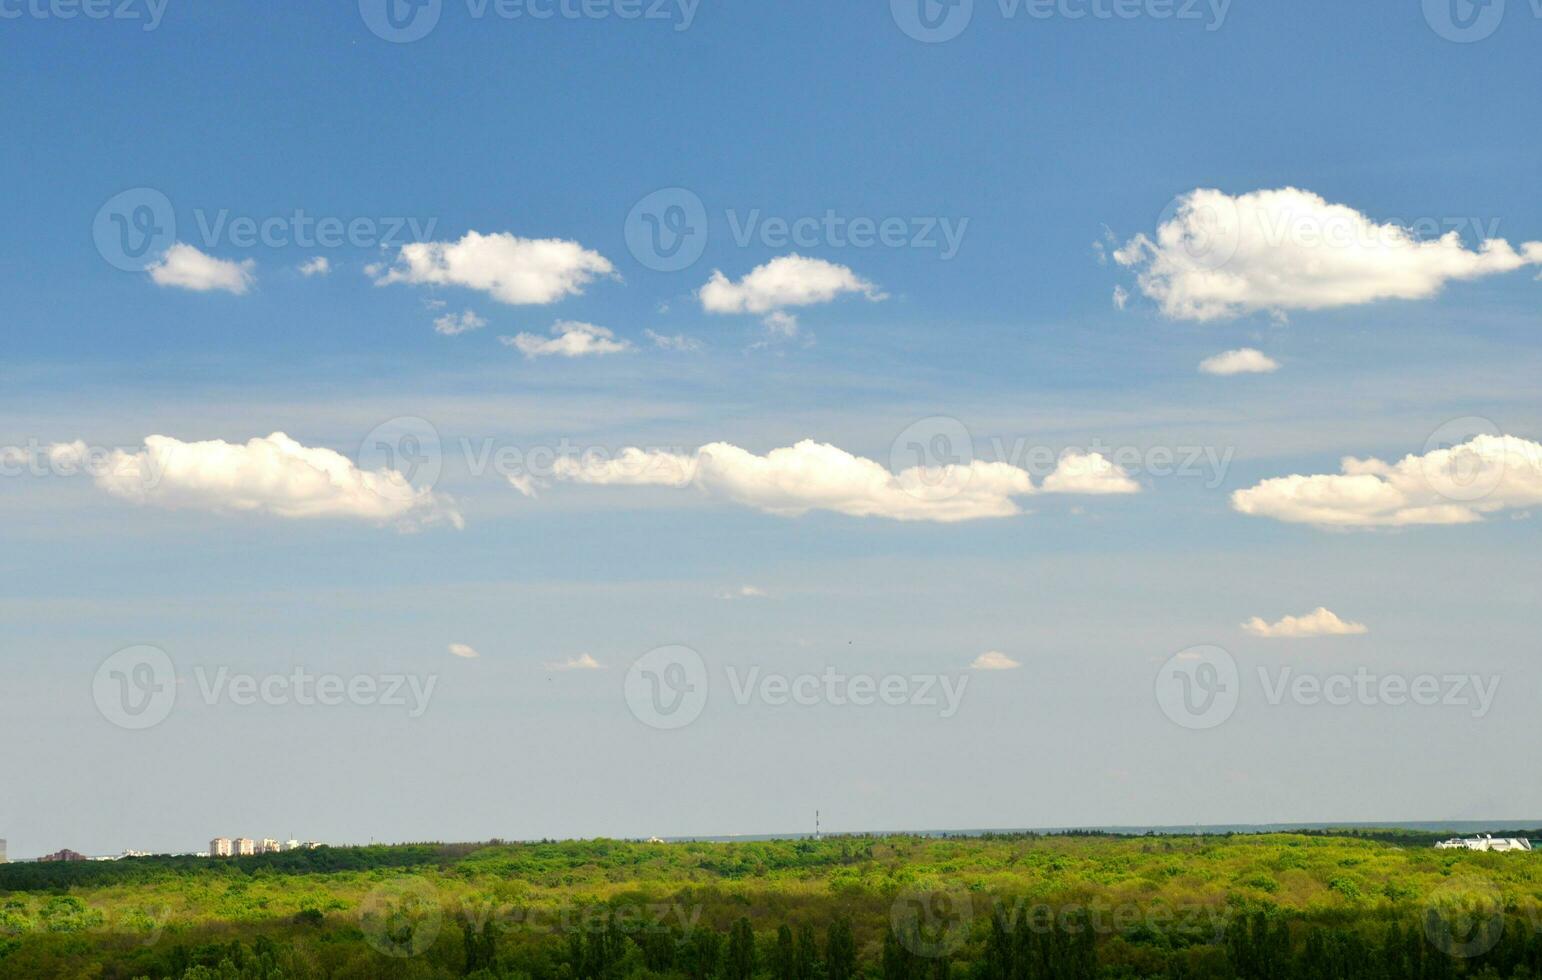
x: 1445, y: 486
x: 1318, y: 622
x: 678, y: 342
x: 1289, y: 249
x: 792, y: 280
x: 318, y: 266
x: 808, y: 476
x: 273, y: 475
x: 463, y: 650
x: 522, y: 482
x: 569, y: 339
x: 994, y: 660
x: 581, y: 662
x: 1121, y: 297
x: 1244, y: 360
x: 184, y: 267
x: 452, y: 325
x: 1088, y: 473
x: 743, y: 592
x: 517, y: 271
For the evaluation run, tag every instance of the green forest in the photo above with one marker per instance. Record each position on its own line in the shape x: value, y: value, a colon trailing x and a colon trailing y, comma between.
x: 993, y: 907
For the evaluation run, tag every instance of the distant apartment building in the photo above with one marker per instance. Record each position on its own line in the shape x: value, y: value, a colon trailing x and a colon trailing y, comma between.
x: 2, y: 850
x: 269, y: 846
x: 291, y: 845
x: 64, y: 855
x: 245, y: 846
x: 219, y: 847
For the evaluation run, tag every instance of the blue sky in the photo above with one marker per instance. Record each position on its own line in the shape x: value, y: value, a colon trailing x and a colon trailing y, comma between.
x: 1051, y: 142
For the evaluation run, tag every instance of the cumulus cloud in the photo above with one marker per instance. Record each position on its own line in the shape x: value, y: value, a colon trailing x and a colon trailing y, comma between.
x: 464, y: 650
x: 994, y: 660
x: 318, y: 266
x: 792, y: 280
x: 810, y: 475
x: 581, y: 662
x: 1244, y: 360
x: 184, y: 267
x: 274, y: 475
x: 517, y: 271
x: 1458, y: 485
x: 569, y: 338
x: 1289, y: 249
x: 1318, y: 622
x: 451, y: 325
x: 1088, y: 473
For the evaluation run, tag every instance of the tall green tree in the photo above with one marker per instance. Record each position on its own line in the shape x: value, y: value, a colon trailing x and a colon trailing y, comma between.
x: 840, y: 951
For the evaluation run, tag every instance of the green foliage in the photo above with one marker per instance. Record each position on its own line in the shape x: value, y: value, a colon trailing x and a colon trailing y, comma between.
x: 1264, y: 907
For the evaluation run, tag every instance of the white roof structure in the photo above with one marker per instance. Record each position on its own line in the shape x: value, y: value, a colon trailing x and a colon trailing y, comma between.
x: 1487, y: 842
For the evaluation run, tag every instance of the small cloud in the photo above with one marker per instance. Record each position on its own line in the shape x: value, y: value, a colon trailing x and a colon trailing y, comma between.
x: 523, y: 482
x: 581, y: 662
x: 451, y: 325
x: 463, y: 650
x: 1318, y: 622
x: 792, y: 280
x: 1121, y: 297
x: 743, y: 592
x: 679, y: 342
x: 318, y: 266
x: 184, y: 267
x: 510, y: 269
x: 569, y: 339
x: 781, y: 324
x: 994, y: 660
x: 1244, y: 360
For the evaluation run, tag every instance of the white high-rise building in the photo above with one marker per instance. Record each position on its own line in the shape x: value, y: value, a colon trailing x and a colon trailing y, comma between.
x: 245, y: 846
x: 219, y: 847
x: 269, y: 846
